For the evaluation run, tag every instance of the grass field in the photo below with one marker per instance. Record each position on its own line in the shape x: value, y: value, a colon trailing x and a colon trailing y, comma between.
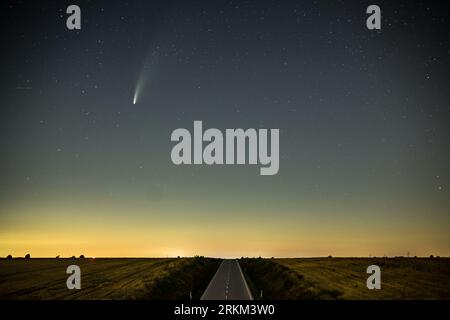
x: 345, y: 278
x: 106, y: 278
x: 171, y: 278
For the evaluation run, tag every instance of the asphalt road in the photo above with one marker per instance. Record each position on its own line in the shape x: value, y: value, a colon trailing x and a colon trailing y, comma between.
x: 228, y: 283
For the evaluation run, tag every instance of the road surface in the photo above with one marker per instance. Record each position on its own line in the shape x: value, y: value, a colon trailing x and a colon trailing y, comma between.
x: 228, y: 283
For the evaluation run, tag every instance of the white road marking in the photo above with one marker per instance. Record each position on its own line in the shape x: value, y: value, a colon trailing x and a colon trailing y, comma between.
x: 215, y: 275
x: 245, y: 282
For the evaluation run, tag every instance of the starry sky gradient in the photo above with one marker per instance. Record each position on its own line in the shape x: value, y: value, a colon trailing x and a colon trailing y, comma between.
x: 363, y: 118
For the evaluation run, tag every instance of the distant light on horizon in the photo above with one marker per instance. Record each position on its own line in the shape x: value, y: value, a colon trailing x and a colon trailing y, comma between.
x: 363, y: 139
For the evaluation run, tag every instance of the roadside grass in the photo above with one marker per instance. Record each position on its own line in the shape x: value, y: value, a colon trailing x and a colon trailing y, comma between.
x: 106, y: 278
x: 345, y: 278
x: 277, y: 282
x: 192, y: 277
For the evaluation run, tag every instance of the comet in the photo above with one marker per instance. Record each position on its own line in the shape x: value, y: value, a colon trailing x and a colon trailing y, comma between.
x: 136, y: 94
x: 137, y: 91
x: 146, y: 75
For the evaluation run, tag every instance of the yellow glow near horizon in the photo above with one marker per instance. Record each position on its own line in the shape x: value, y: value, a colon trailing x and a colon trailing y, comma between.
x: 48, y: 231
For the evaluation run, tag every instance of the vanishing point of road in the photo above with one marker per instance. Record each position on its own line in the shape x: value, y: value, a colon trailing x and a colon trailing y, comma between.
x: 228, y: 283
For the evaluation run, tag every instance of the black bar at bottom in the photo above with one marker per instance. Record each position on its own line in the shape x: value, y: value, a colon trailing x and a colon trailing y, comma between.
x: 227, y: 309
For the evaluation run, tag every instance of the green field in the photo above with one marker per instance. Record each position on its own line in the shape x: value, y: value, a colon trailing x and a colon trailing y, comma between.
x: 345, y: 278
x: 106, y: 278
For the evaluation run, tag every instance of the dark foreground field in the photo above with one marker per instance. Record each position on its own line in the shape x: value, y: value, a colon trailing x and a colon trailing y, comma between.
x: 171, y: 278
x: 106, y: 278
x: 345, y: 278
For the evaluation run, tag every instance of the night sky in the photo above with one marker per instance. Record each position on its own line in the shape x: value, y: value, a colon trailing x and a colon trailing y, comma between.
x: 363, y: 118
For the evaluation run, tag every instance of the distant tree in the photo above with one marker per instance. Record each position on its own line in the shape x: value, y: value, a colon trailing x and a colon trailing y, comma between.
x: 9, y: 257
x: 330, y: 257
x: 27, y: 256
x: 431, y: 256
x: 82, y: 256
x: 57, y: 257
x: 178, y: 257
x: 73, y: 257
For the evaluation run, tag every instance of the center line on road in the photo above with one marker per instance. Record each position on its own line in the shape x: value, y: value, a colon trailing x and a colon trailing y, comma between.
x: 228, y: 282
